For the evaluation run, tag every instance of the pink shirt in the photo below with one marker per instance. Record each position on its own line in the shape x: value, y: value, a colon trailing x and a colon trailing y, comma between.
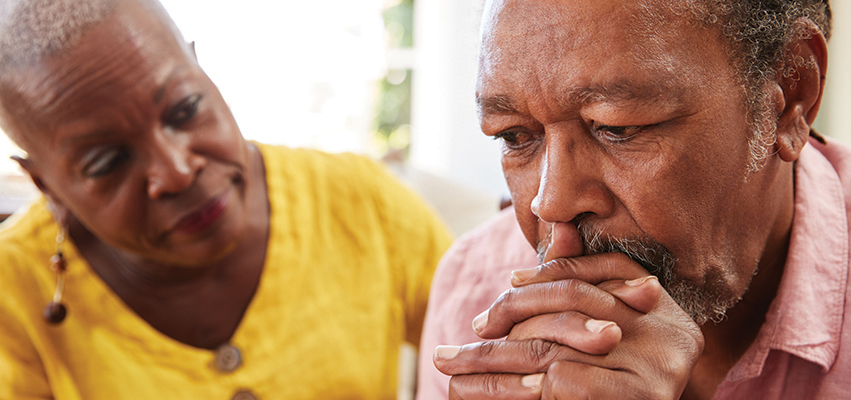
x: 803, y: 351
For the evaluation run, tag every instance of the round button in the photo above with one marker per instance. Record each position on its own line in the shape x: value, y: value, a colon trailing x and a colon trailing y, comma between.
x: 244, y: 395
x: 227, y: 358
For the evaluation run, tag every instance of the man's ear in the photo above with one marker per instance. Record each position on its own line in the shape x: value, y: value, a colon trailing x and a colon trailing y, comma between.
x: 60, y: 212
x: 802, y: 84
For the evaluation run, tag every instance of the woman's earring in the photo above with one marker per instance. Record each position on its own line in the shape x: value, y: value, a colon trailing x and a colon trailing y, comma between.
x: 55, y: 311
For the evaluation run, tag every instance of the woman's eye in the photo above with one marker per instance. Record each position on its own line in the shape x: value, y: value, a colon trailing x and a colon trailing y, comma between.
x: 183, y: 112
x: 105, y: 162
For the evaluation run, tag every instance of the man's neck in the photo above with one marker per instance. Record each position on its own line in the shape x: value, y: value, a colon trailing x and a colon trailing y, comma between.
x: 726, y: 342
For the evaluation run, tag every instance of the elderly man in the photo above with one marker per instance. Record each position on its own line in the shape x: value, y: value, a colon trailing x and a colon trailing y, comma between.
x: 692, y: 245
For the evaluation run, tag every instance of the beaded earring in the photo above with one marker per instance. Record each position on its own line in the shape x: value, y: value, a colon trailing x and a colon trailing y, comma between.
x: 55, y: 311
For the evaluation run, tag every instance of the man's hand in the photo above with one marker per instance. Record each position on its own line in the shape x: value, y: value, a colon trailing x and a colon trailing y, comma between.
x: 584, y: 327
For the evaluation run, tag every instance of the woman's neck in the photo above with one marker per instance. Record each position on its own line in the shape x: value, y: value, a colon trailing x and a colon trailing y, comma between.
x: 201, y: 305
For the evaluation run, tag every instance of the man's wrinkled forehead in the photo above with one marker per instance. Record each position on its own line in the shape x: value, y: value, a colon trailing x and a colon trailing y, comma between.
x: 539, y: 40
x: 578, y: 22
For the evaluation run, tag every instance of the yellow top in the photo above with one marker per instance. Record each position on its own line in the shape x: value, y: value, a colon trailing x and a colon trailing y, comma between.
x: 350, y: 259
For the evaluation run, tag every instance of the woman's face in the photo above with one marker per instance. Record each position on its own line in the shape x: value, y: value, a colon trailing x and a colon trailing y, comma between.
x: 126, y: 133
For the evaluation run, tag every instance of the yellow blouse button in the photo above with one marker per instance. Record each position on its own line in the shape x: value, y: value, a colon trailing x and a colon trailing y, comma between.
x: 244, y: 395
x: 227, y: 358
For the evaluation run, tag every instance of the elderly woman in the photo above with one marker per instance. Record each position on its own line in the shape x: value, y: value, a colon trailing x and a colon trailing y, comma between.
x: 169, y: 257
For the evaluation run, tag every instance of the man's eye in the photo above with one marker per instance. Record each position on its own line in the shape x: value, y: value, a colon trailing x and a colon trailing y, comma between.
x: 105, y: 162
x: 515, y: 139
x: 617, y: 133
x: 183, y: 112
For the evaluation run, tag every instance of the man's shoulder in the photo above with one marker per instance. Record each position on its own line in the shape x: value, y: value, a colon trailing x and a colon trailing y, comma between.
x: 502, y: 226
x: 836, y: 160
x: 498, y: 240
x: 837, y: 153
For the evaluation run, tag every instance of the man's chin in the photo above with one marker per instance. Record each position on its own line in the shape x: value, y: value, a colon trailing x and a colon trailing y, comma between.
x: 701, y: 304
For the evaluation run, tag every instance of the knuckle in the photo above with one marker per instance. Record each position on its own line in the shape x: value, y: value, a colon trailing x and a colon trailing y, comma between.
x: 540, y: 352
x: 504, y: 301
x: 614, y: 261
x: 570, y: 293
x: 506, y: 297
x: 690, y: 340
x: 485, y: 349
x: 482, y: 386
x: 560, y: 385
x: 567, y: 288
x: 491, y: 385
x: 697, y: 337
x: 677, y: 363
x: 459, y: 388
x: 658, y: 392
x: 565, y: 268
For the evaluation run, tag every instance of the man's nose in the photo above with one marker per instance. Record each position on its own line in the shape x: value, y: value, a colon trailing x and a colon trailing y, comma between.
x: 571, y: 182
x: 173, y: 166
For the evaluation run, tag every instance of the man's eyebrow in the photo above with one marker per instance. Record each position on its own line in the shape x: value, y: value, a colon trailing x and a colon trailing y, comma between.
x: 498, y: 104
x: 621, y: 92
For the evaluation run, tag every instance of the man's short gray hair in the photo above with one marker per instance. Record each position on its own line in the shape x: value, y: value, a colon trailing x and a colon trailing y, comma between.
x: 759, y: 32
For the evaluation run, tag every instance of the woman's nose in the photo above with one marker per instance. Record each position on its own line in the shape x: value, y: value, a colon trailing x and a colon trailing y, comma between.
x: 173, y: 166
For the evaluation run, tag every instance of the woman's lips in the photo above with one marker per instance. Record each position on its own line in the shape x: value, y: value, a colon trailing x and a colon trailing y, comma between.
x: 204, y: 217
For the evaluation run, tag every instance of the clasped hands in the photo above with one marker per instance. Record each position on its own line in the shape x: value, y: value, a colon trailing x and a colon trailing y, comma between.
x: 577, y: 327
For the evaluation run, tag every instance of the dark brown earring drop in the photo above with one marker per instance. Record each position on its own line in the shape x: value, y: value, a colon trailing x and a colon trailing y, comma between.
x: 55, y: 311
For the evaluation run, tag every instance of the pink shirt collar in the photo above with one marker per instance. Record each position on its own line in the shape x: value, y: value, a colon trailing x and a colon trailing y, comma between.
x: 805, y: 318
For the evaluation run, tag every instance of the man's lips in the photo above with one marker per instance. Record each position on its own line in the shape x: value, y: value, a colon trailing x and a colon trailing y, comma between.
x: 204, y: 217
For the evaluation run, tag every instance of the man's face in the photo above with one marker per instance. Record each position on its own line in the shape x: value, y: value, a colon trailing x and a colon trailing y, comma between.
x: 126, y: 132
x: 628, y: 120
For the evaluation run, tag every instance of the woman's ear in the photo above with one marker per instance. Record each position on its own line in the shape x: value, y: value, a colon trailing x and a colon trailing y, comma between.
x: 60, y: 212
x: 801, y: 81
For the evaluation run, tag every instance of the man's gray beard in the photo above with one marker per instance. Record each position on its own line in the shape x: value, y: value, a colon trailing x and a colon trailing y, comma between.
x: 702, y: 304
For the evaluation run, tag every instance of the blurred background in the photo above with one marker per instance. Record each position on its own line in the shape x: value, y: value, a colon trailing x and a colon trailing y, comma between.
x: 393, y: 79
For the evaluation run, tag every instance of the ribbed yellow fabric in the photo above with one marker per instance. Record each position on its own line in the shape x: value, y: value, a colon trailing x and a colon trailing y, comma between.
x: 350, y: 259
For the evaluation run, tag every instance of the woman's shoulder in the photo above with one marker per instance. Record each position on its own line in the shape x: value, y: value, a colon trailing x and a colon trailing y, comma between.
x: 312, y: 172
x: 27, y: 228
x: 314, y: 160
x: 27, y: 241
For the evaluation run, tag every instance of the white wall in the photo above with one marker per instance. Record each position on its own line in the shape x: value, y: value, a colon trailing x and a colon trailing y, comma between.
x: 836, y: 105
x: 299, y: 73
x: 445, y: 138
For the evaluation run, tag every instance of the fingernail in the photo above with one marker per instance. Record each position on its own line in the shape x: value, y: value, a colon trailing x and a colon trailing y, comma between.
x: 597, y: 326
x: 480, y: 321
x: 552, y: 233
x: 532, y: 381
x: 523, y: 275
x: 446, y: 352
x: 640, y: 281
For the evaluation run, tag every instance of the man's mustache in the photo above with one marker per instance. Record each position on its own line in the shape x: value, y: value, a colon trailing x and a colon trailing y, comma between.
x: 645, y: 250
